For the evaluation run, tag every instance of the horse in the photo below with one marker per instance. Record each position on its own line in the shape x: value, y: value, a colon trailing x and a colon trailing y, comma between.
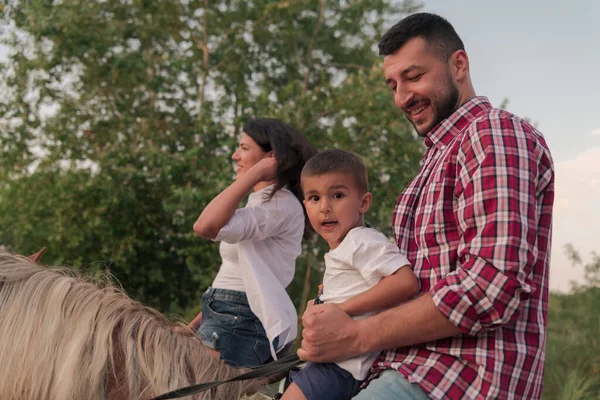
x: 64, y: 335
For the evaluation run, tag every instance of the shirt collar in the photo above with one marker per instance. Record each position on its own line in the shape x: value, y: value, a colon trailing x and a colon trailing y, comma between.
x: 262, y: 194
x: 447, y: 129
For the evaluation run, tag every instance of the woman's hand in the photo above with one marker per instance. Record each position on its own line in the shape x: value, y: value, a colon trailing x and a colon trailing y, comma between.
x: 195, y: 324
x: 191, y: 327
x: 220, y: 210
x: 265, y: 170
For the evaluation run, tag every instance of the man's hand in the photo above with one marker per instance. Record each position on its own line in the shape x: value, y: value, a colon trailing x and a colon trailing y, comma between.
x: 309, y: 305
x: 329, y: 335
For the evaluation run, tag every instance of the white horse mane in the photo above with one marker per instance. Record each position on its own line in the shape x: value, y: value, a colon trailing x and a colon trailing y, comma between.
x: 64, y: 337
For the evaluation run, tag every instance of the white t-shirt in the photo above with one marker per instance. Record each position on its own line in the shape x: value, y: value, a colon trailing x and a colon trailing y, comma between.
x: 364, y: 257
x: 259, y: 246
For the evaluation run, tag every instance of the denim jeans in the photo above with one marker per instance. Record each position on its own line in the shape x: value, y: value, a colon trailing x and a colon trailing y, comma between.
x: 391, y: 385
x: 230, y: 327
x: 325, y: 381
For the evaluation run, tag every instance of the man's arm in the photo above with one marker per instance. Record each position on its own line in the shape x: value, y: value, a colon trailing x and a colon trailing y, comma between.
x: 330, y: 334
x: 496, y: 191
x: 391, y: 290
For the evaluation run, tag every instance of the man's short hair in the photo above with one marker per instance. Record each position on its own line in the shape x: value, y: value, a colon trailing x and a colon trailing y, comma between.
x: 438, y: 33
x: 340, y: 161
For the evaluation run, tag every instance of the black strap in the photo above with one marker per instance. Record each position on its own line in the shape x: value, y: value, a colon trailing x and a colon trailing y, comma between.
x: 272, y: 368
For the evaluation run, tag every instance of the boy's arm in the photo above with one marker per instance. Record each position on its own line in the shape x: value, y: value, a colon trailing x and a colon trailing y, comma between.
x: 392, y: 290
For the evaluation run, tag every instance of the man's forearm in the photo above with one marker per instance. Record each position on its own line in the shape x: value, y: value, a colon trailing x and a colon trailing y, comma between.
x: 331, y: 335
x: 411, y: 323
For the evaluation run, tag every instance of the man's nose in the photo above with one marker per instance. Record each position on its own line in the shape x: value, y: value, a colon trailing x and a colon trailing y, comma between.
x: 402, y: 96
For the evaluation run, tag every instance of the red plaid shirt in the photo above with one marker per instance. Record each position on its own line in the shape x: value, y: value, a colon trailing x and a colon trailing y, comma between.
x: 476, y: 226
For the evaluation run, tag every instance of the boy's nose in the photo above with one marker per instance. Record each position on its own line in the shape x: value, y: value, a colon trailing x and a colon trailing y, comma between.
x: 325, y: 208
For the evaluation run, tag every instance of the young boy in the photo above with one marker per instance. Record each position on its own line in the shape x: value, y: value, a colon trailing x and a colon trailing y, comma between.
x: 364, y: 272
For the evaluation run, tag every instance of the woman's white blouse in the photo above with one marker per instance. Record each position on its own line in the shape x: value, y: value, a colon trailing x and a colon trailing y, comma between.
x: 259, y: 247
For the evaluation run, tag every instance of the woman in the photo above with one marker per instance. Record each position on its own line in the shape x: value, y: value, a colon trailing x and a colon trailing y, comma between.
x: 247, y: 316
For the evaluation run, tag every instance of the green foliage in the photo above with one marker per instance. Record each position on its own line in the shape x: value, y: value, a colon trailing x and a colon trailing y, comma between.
x: 119, y: 119
x: 573, y: 347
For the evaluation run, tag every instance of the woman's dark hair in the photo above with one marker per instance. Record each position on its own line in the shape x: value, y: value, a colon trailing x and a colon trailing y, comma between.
x: 292, y: 150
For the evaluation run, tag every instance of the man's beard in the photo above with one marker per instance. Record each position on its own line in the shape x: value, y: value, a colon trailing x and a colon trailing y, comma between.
x: 442, y: 106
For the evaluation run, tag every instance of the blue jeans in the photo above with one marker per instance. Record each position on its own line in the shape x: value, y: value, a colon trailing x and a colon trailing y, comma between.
x: 391, y: 385
x: 325, y: 381
x: 231, y: 328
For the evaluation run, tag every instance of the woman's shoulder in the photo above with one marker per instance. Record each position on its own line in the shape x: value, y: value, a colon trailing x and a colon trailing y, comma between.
x: 284, y: 201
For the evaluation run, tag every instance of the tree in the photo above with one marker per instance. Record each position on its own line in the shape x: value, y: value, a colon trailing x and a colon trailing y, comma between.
x: 573, y: 347
x: 120, y: 118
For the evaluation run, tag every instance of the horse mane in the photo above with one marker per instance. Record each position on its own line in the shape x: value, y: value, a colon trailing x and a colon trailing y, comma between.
x: 65, y: 336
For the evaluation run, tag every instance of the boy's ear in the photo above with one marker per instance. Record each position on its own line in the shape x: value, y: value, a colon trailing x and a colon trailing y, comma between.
x: 367, y: 199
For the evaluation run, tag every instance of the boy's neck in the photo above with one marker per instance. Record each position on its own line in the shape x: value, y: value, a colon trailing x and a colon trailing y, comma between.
x: 333, y: 246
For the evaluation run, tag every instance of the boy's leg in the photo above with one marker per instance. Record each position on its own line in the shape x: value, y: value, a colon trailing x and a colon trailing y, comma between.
x: 391, y: 385
x: 293, y: 392
x: 321, y: 381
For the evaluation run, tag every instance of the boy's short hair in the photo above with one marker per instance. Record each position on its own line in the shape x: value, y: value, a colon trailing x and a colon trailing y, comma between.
x: 336, y: 160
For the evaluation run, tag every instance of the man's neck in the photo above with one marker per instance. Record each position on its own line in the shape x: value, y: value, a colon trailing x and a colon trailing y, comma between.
x: 465, y: 96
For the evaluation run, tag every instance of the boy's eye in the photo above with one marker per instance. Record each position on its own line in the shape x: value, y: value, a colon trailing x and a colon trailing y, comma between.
x: 338, y: 195
x: 313, y: 198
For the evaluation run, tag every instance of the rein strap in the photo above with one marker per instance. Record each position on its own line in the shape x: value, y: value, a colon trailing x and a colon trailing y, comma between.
x: 283, y: 364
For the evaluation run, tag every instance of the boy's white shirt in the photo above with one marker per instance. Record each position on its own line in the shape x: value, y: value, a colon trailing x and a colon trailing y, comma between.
x: 259, y: 246
x: 364, y: 257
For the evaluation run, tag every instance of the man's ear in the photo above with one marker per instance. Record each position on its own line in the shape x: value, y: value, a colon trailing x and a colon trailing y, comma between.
x: 459, y: 65
x: 365, y: 204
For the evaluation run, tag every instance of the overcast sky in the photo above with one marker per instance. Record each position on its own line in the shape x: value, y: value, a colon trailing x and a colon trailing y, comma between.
x: 545, y: 58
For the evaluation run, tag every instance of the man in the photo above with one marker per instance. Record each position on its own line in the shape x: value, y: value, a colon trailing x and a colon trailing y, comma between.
x: 475, y: 224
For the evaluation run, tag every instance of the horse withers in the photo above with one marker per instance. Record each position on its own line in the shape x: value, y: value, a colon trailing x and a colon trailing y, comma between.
x: 65, y: 336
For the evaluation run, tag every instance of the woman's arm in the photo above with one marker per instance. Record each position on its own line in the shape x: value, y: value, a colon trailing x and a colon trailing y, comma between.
x: 220, y: 210
x: 392, y: 290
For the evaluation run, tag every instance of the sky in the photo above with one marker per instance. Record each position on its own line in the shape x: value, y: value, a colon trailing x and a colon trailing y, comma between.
x: 545, y: 59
